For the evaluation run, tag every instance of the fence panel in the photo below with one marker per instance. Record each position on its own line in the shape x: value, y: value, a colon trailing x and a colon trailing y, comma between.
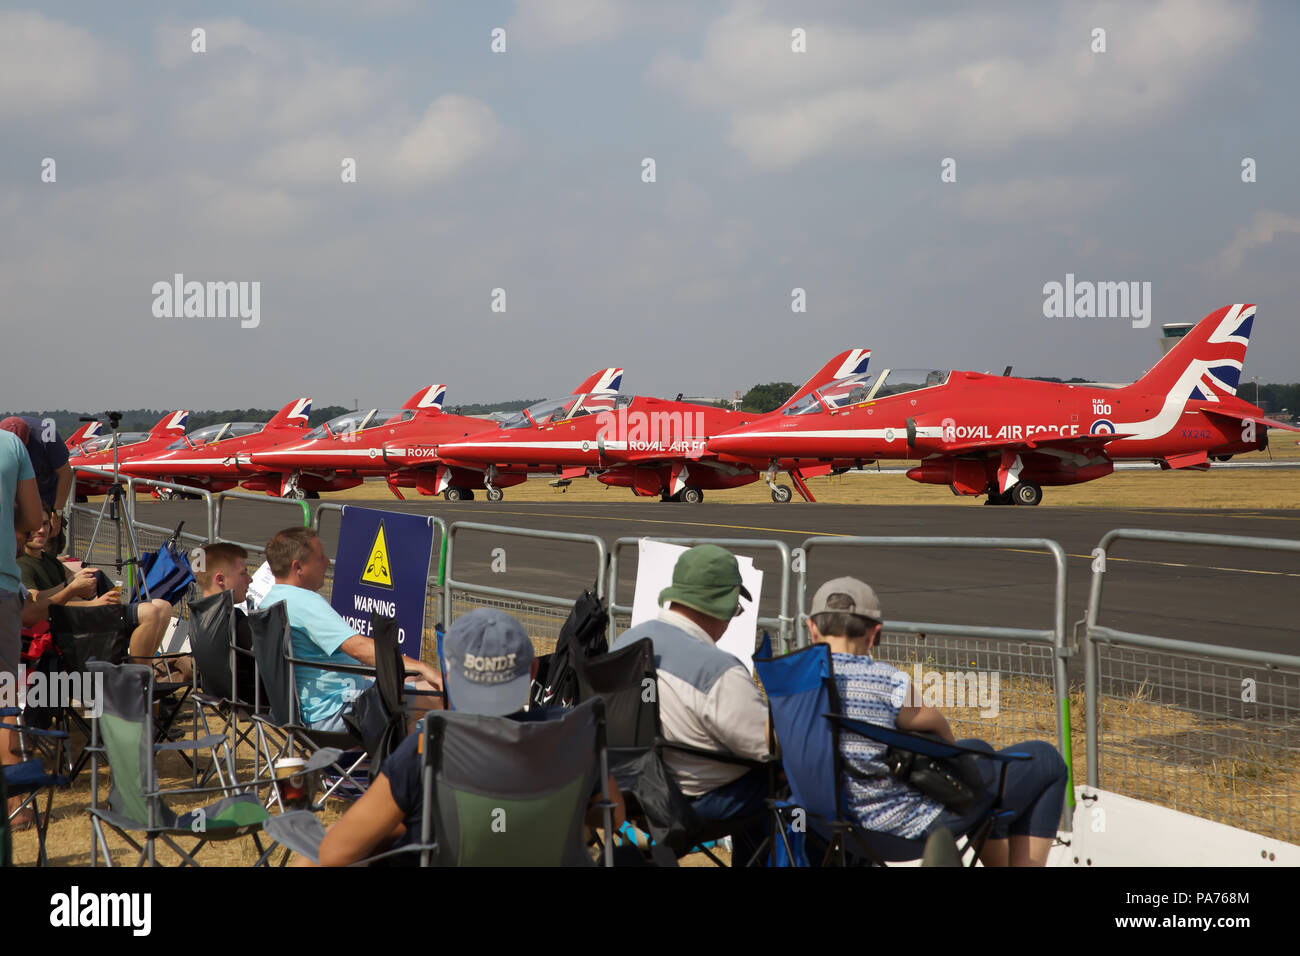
x: 541, y: 614
x: 1209, y: 730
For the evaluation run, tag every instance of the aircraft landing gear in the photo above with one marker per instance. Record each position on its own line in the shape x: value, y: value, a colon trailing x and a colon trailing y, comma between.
x: 295, y: 493
x: 458, y: 494
x: 1027, y: 493
x: 781, y: 494
x: 692, y: 495
x: 495, y: 494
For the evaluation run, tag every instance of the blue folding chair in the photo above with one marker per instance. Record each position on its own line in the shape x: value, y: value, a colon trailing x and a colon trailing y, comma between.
x: 805, y: 709
x: 28, y: 778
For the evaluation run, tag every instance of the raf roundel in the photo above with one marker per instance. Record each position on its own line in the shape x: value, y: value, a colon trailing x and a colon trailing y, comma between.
x: 1102, y: 426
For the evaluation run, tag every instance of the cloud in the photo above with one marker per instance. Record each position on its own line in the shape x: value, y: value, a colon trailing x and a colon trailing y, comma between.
x: 1266, y: 226
x: 545, y: 23
x: 453, y: 132
x: 1046, y: 199
x: 978, y: 81
x: 52, y: 67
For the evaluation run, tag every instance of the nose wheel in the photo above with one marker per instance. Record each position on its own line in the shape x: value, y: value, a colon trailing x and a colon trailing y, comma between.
x: 495, y: 494
x: 781, y: 494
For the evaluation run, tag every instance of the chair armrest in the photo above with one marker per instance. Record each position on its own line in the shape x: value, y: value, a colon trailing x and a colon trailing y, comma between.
x: 721, y: 756
x: 364, y: 669
x: 902, y: 740
x: 299, y: 830
x: 34, y: 732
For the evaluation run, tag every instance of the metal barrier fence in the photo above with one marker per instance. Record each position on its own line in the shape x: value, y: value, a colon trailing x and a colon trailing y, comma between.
x: 541, y: 614
x: 956, y: 658
x: 783, y: 624
x: 1209, y: 730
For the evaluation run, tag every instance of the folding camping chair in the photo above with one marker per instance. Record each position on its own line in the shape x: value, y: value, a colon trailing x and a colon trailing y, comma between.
x: 636, y: 750
x: 806, y: 719
x: 28, y: 778
x: 226, y: 684
x: 276, y: 668
x: 497, y: 792
x: 164, y: 573
x: 137, y: 807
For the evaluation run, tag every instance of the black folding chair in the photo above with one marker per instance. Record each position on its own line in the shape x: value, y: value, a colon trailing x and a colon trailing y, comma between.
x: 627, y: 681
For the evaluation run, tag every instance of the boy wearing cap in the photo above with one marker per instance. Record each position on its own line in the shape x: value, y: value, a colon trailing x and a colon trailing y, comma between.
x: 490, y: 668
x: 846, y: 615
x: 706, y: 697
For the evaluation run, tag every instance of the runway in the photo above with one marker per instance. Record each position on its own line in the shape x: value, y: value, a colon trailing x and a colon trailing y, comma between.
x: 1237, y: 597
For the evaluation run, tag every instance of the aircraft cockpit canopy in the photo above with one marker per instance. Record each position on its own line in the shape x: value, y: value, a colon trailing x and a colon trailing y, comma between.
x: 216, y: 433
x: 838, y: 394
x: 896, y: 381
x: 354, y: 422
x: 105, y: 442
x: 563, y: 409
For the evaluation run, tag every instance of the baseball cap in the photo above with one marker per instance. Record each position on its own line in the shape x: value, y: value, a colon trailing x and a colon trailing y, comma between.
x: 862, y: 600
x: 489, y: 659
x: 19, y: 427
x: 707, y: 578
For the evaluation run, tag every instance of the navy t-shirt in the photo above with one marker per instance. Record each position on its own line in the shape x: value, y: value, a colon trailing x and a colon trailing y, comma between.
x: 47, y: 458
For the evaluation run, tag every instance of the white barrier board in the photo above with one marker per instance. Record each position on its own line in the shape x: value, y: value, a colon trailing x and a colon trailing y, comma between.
x: 654, y: 572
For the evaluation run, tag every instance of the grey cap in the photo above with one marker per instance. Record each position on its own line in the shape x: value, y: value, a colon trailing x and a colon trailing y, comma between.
x: 857, y: 598
x: 488, y: 659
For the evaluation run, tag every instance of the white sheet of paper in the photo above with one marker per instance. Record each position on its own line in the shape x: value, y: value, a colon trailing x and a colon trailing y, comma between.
x: 655, y: 561
x: 263, y: 580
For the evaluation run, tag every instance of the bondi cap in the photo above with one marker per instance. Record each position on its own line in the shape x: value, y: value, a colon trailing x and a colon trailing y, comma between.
x: 489, y: 660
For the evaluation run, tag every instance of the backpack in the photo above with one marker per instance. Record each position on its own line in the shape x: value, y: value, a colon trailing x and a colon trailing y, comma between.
x: 583, y: 635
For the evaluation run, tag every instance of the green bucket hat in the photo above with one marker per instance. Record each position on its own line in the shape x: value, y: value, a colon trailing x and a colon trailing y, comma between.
x: 707, y: 578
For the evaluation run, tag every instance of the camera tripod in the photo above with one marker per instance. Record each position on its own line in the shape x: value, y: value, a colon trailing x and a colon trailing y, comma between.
x: 114, y: 507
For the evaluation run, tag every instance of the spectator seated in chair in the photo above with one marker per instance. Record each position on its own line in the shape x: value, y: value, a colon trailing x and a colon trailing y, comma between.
x: 846, y: 615
x: 707, y: 698
x: 490, y: 669
x: 321, y: 634
x: 55, y: 583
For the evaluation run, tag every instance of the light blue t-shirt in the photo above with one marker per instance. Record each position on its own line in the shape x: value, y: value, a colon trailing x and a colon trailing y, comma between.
x: 15, y: 466
x: 318, y: 631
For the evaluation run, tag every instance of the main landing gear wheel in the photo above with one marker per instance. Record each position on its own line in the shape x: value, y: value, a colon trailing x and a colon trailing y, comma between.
x: 454, y: 494
x: 495, y: 494
x: 296, y: 494
x: 692, y: 495
x: 1027, y: 493
x: 166, y: 494
x: 313, y: 495
x: 781, y: 494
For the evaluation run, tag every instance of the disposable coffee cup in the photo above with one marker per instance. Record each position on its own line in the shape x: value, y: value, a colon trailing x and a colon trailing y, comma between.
x: 291, y: 782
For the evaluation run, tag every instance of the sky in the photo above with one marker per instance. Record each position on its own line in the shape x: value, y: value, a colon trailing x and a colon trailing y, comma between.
x: 920, y: 172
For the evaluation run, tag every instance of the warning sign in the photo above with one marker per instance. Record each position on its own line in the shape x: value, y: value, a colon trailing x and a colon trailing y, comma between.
x: 378, y: 571
x: 383, y: 568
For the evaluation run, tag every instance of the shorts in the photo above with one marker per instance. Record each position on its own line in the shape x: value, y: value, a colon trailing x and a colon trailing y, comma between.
x: 11, y: 632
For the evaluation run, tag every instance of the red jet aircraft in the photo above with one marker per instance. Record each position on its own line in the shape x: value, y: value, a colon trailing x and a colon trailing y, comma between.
x: 207, y: 458
x: 96, y: 450
x: 1008, y: 437
x: 398, y: 444
x: 653, y: 446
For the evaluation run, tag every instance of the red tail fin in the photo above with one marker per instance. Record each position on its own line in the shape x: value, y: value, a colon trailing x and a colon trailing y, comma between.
x: 295, y: 414
x: 171, y: 425
x: 852, y: 362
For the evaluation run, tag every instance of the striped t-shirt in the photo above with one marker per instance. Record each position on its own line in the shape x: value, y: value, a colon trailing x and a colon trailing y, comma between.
x: 872, y: 691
